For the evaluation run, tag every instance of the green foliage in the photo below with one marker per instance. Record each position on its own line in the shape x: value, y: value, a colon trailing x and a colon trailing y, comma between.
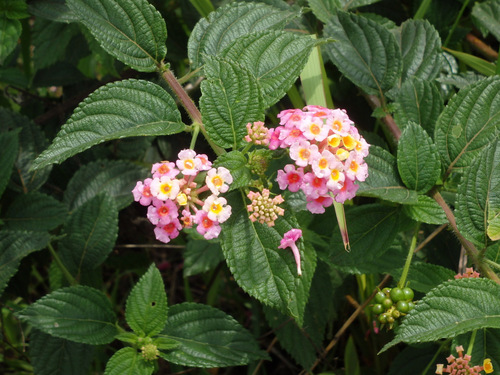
x: 9, y: 145
x: 128, y: 361
x: 485, y: 15
x: 425, y: 210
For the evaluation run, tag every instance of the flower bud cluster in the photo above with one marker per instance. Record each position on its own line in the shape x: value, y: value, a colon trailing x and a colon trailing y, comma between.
x: 468, y: 274
x: 461, y: 366
x: 328, y: 154
x: 263, y: 208
x: 173, y: 196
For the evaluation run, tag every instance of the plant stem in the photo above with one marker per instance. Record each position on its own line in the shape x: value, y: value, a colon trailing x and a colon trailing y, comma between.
x: 471, y: 342
x: 60, y: 264
x: 457, y: 19
x: 196, y: 131
x: 388, y: 120
x: 443, y: 344
x: 409, y: 257
x: 422, y: 9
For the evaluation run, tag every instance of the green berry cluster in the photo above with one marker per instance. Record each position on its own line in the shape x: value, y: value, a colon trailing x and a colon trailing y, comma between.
x: 392, y: 303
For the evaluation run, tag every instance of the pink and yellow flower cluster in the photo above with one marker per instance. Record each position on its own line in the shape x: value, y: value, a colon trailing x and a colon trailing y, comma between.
x: 173, y: 196
x: 328, y: 154
x: 461, y: 366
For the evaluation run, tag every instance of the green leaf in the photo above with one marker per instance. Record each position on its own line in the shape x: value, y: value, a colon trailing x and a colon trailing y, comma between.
x: 418, y: 159
x: 415, y: 360
x: 237, y: 163
x: 426, y: 210
x: 478, y: 193
x: 275, y: 58
x: 128, y: 361
x: 54, y: 10
x: 133, y: 31
x: 486, y: 15
x: 116, y: 178
x: 9, y: 146
x: 364, y: 51
x: 351, y: 359
x: 55, y: 356
x: 15, y: 9
x: 208, y: 338
x: 480, y: 65
x: 325, y: 9
x: 421, y: 50
x: 201, y: 256
x: 372, y: 230
x: 259, y: 267
x: 91, y: 232
x: 452, y: 308
x: 383, y: 180
x: 493, y: 228
x: 231, y: 98
x: 35, y: 211
x: 425, y: 276
x: 14, y: 246
x: 419, y: 101
x: 10, y: 31
x: 469, y: 122
x: 213, y: 34
x: 120, y: 109
x: 146, y: 310
x: 77, y: 313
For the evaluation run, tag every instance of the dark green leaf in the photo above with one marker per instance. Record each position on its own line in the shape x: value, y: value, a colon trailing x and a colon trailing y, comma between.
x: 14, y: 246
x: 208, y: 338
x: 231, y: 99
x: 425, y: 276
x: 213, y: 34
x: 452, y: 308
x: 120, y: 109
x: 486, y: 15
x: 383, y: 179
x: 133, y: 31
x: 9, y: 146
x: 426, y: 210
x: 470, y: 122
x: 15, y: 9
x: 201, y: 256
x: 324, y: 9
x: 146, y: 310
x: 91, y: 233
x: 364, y: 51
x: 128, y: 361
x: 77, y: 313
x: 54, y: 10
x: 237, y: 163
x: 415, y: 360
x: 259, y: 267
x: 10, y: 31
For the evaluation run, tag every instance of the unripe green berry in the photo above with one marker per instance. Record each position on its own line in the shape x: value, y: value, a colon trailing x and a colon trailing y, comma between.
x: 379, y: 297
x: 397, y: 294
x: 396, y: 314
x: 387, y: 303
x: 403, y: 306
x: 386, y: 291
x: 390, y: 320
x: 408, y: 293
x: 377, y: 309
x: 383, y: 318
x: 411, y: 305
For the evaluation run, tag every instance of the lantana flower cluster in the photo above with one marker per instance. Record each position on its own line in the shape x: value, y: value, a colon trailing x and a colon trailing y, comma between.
x: 173, y: 198
x: 468, y: 274
x: 460, y: 365
x: 328, y: 154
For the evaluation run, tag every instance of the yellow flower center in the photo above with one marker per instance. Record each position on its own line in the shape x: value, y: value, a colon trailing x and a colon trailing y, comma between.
x: 335, y: 175
x: 334, y: 141
x: 342, y: 154
x: 189, y: 164
x: 349, y: 142
x: 323, y: 163
x: 166, y: 188
x: 314, y: 129
x: 304, y: 154
x: 217, y: 181
x: 216, y: 208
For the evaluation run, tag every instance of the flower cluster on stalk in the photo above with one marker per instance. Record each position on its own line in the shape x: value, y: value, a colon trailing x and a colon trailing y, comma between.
x: 460, y: 365
x: 173, y: 196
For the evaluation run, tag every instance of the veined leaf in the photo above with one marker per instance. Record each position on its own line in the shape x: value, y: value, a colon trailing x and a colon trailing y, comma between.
x: 91, y: 232
x: 478, y: 194
x: 231, y: 98
x: 146, y: 310
x: 213, y: 34
x: 115, y: 177
x: 469, y: 122
x: 10, y: 31
x: 425, y: 276
x: 120, y: 109
x: 201, y: 256
x: 133, y: 30
x: 76, y: 313
x: 9, y: 146
x: 237, y: 163
x: 14, y: 246
x: 383, y: 181
x: 259, y: 267
x: 421, y: 50
x: 324, y: 9
x: 452, y: 308
x: 275, y: 58
x: 486, y: 16
x: 426, y: 210
x: 493, y: 229
x: 365, y: 52
x: 418, y: 159
x: 420, y: 101
x: 54, y: 10
x: 55, y: 356
x: 208, y: 338
x: 128, y: 361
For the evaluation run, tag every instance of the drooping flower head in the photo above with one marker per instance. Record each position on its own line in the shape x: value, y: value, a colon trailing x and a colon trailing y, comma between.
x: 289, y: 240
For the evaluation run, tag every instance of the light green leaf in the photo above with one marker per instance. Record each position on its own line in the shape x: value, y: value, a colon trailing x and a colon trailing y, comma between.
x: 231, y: 98
x: 201, y: 256
x: 420, y: 101
x: 128, y: 361
x: 14, y: 246
x: 383, y: 180
x: 237, y: 163
x: 275, y: 58
x: 10, y: 31
x: 121, y: 109
x: 486, y: 15
x: 213, y: 34
x: 9, y: 146
x: 90, y: 234
x: 480, y: 65
x: 55, y: 356
x: 418, y: 159
x: 146, y: 310
x: 364, y: 51
x: 478, y: 193
x: 421, y: 50
x: 259, y: 267
x: 208, y: 338
x: 76, y: 313
x: 452, y: 308
x: 426, y: 210
x: 116, y: 178
x: 133, y: 30
x: 35, y: 211
x: 493, y: 228
x: 469, y: 122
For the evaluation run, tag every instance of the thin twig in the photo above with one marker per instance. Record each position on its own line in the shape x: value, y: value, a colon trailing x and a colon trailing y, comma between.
x: 482, y: 47
x: 388, y: 120
x: 270, y: 346
x: 430, y: 237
